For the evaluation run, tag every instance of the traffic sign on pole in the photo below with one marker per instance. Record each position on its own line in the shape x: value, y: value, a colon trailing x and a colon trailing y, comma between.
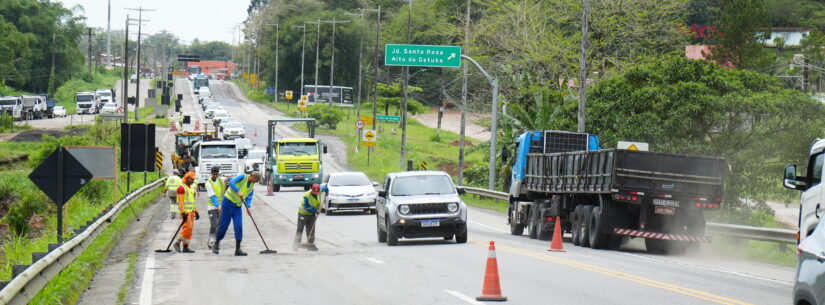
x: 302, y: 105
x: 422, y: 55
x: 288, y: 95
x: 388, y: 118
x: 367, y: 119
x: 270, y: 90
x: 359, y: 124
x: 60, y: 176
x: 368, y: 137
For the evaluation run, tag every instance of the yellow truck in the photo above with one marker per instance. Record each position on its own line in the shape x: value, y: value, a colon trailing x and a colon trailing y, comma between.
x: 294, y: 161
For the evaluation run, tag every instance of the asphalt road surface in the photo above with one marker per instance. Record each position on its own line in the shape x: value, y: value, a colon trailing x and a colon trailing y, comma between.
x: 351, y: 267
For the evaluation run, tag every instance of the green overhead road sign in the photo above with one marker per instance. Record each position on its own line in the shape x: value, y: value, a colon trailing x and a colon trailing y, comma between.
x: 388, y: 118
x: 422, y: 55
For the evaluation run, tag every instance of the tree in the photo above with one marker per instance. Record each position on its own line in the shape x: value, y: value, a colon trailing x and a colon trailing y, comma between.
x: 683, y: 106
x: 14, y: 48
x: 813, y: 47
x: 740, y: 23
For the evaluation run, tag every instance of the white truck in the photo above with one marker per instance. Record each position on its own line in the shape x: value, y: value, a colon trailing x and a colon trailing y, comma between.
x: 217, y: 153
x: 104, y: 96
x: 811, y: 205
x: 86, y: 102
x: 10, y: 106
x: 33, y: 107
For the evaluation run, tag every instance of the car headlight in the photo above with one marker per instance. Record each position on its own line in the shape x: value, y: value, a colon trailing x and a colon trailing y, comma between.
x: 404, y: 209
x: 282, y: 176
x: 315, y: 176
x: 452, y: 207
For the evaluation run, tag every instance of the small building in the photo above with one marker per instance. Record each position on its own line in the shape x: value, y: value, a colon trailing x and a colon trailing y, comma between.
x: 792, y: 36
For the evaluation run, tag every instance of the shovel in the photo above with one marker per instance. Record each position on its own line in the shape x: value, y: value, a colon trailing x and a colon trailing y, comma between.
x: 171, y: 241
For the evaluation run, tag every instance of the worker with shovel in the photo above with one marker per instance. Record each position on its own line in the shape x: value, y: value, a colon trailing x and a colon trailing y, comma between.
x: 239, y: 192
x: 215, y: 189
x: 188, y: 212
x: 307, y: 215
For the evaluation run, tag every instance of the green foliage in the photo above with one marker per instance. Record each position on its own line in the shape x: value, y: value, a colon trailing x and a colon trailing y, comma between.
x: 210, y: 50
x: 695, y: 107
x: 66, y: 92
x: 325, y: 115
x: 740, y: 21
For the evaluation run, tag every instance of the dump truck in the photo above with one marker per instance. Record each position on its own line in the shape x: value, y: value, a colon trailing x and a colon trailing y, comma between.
x: 603, y: 196
x: 184, y: 156
x: 293, y: 161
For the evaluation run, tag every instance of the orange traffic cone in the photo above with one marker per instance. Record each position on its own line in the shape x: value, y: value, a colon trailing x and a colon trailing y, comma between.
x: 256, y: 132
x: 197, y: 125
x: 173, y: 126
x: 491, y: 290
x: 557, y: 244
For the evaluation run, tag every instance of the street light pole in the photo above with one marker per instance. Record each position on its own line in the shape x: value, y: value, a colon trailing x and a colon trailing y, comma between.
x: 406, y: 92
x: 303, y: 48
x: 583, y: 67
x: 360, y: 65
x: 317, y: 54
x: 277, y: 39
x: 463, y: 131
x: 137, y: 60
x: 375, y: 76
x: 332, y: 63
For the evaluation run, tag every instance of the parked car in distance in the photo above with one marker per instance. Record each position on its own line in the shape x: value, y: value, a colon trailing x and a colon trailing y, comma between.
x: 219, y: 115
x: 225, y: 121
x: 59, y: 111
x: 809, y: 282
x: 420, y: 204
x: 244, y: 144
x: 133, y: 79
x: 109, y: 108
x: 211, y: 109
x: 349, y: 191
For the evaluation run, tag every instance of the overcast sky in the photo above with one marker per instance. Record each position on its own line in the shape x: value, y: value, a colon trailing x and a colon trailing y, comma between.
x: 188, y: 19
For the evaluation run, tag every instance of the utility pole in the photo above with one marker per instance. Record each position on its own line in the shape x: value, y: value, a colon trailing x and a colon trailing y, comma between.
x: 317, y: 49
x: 90, y: 54
x: 109, y: 35
x: 583, y: 67
x: 406, y: 92
x: 303, y: 49
x: 277, y: 39
x: 140, y: 21
x: 125, y: 82
x: 464, y: 100
x: 360, y: 65
x: 375, y: 76
x: 332, y: 63
x: 51, y: 76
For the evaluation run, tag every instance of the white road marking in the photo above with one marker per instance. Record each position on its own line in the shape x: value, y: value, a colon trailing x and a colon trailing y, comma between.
x: 750, y: 276
x: 374, y: 260
x: 148, y: 279
x: 463, y: 297
x: 489, y: 227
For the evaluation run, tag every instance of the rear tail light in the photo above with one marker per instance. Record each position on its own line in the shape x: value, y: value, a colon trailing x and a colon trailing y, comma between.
x: 664, y: 196
x: 707, y: 205
x: 628, y: 198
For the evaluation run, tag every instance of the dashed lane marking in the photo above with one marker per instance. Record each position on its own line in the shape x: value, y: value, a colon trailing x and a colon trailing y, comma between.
x: 463, y: 297
x: 374, y: 260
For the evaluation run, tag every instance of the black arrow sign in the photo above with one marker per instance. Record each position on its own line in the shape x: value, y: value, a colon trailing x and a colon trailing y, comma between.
x: 60, y: 176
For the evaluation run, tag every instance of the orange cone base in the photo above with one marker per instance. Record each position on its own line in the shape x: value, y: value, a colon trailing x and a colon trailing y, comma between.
x: 491, y: 298
x: 556, y: 250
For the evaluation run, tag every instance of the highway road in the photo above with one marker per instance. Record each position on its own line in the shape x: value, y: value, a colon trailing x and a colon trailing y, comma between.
x: 351, y: 267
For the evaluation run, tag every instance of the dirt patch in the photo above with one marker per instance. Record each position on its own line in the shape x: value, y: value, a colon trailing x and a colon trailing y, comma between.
x: 466, y: 143
x: 37, y: 223
x: 36, y: 135
x: 451, y: 168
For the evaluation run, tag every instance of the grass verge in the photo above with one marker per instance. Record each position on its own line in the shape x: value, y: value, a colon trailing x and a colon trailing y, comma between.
x: 65, y: 93
x: 130, y: 276
x: 68, y: 286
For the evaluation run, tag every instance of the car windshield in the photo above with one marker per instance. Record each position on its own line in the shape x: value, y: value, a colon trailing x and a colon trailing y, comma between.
x: 353, y: 179
x: 188, y: 140
x: 110, y: 105
x: 84, y: 98
x: 297, y: 148
x: 58, y: 107
x: 8, y: 102
x: 256, y: 155
x: 234, y: 125
x: 221, y: 115
x: 106, y: 94
x: 218, y: 151
x: 422, y: 185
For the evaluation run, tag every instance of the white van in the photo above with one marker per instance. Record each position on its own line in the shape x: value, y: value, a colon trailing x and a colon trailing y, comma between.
x: 811, y: 205
x: 204, y: 93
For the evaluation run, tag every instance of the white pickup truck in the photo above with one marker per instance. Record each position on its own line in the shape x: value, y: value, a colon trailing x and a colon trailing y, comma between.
x: 811, y: 205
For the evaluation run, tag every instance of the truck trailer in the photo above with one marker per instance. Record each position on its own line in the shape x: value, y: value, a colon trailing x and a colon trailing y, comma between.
x: 603, y: 196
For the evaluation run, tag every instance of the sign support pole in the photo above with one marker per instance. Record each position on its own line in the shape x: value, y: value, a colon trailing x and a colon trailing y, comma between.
x: 59, y: 202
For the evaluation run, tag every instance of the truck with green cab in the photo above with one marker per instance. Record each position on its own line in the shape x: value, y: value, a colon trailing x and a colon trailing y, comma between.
x: 293, y: 161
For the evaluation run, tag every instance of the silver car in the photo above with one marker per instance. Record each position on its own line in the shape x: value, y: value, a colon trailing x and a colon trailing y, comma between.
x: 420, y: 204
x: 349, y: 191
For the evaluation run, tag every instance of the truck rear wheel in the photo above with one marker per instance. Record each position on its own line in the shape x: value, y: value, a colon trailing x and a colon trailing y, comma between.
x: 575, y: 219
x: 585, y: 228
x: 598, y: 240
x: 533, y: 225
x: 545, y: 233
x: 515, y: 227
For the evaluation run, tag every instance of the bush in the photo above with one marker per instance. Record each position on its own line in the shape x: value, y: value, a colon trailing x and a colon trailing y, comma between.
x: 30, y: 203
x: 476, y: 176
x: 326, y: 115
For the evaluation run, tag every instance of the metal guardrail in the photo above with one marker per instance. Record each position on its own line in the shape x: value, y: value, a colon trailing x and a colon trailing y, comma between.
x: 25, y: 286
x: 783, y: 236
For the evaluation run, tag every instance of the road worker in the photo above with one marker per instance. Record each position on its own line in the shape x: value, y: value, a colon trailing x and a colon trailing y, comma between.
x: 215, y: 188
x: 171, y: 189
x: 188, y: 212
x: 307, y: 214
x: 240, y: 191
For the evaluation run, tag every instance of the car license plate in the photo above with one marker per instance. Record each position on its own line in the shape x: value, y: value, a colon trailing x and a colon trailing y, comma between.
x: 299, y: 176
x: 352, y: 199
x: 665, y: 210
x: 430, y: 223
x: 666, y: 203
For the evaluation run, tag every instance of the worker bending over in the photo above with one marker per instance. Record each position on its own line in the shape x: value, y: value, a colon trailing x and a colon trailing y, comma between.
x: 240, y: 191
x: 307, y: 215
x: 188, y: 212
